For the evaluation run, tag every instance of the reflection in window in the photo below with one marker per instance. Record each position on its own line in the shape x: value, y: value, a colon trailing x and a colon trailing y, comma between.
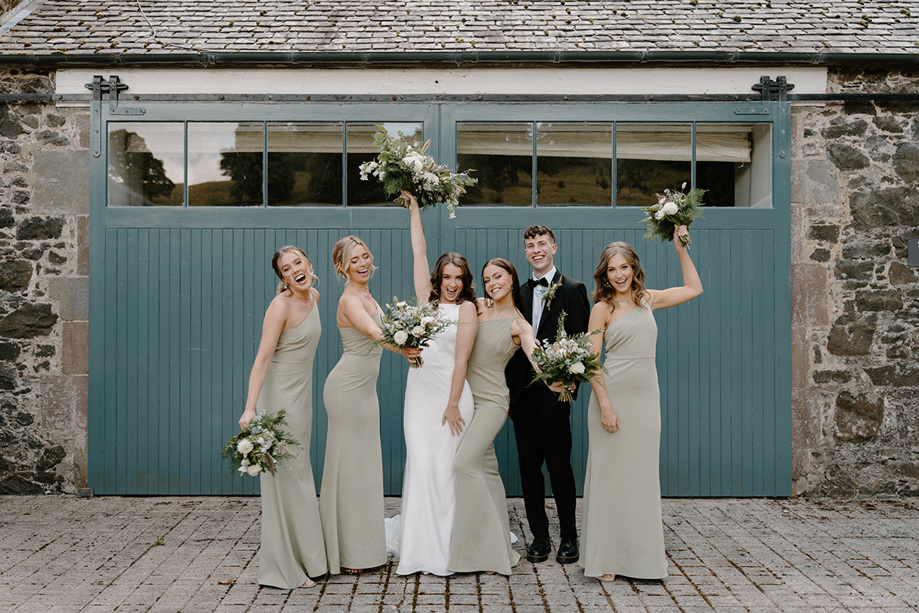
x: 225, y: 164
x: 145, y: 164
x: 361, y: 149
x: 304, y: 164
x: 574, y: 163
x: 649, y: 159
x: 501, y: 154
x: 734, y: 163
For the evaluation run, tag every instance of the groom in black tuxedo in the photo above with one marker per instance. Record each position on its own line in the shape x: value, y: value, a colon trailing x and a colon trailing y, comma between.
x: 542, y: 425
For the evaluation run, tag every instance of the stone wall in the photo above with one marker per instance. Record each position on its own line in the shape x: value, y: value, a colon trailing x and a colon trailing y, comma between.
x: 855, y: 300
x: 44, y: 268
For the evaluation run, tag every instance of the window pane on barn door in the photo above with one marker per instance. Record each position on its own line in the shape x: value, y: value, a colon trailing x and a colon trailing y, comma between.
x: 734, y: 164
x: 361, y: 149
x: 649, y: 159
x: 574, y: 164
x: 225, y: 163
x: 501, y: 156
x: 146, y: 163
x: 304, y: 164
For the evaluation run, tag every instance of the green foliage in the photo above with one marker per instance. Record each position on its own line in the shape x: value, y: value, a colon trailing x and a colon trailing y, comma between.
x: 268, y: 441
x: 662, y: 219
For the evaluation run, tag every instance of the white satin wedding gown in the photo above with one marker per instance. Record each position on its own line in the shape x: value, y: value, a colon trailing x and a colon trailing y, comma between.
x: 420, y: 536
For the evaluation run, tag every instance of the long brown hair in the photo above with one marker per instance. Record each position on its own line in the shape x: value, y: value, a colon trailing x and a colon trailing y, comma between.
x: 282, y: 286
x: 515, y: 286
x: 437, y: 276
x: 605, y: 292
x: 341, y: 255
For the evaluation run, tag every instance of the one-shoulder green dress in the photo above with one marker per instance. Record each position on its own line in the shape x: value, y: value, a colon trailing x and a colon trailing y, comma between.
x: 481, y: 530
x: 351, y: 496
x: 621, y: 528
x: 292, y: 543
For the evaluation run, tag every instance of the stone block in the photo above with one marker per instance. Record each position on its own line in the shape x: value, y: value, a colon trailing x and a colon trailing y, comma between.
x: 845, y: 128
x: 901, y: 274
x: 820, y: 185
x: 39, y: 228
x: 28, y: 320
x: 75, y: 347
x: 828, y: 233
x: 809, y: 295
x: 61, y: 180
x: 906, y: 162
x: 885, y: 207
x: 831, y: 376
x: 856, y: 270
x: 846, y: 157
x: 83, y: 245
x: 858, y: 418
x: 894, y: 375
x: 881, y: 300
x: 15, y: 275
x: 72, y: 295
x: 851, y: 338
x: 800, y: 357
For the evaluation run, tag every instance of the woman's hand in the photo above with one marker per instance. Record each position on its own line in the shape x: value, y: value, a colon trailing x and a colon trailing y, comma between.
x: 248, y: 415
x: 452, y: 416
x: 409, y: 197
x: 679, y: 233
x: 411, y: 353
x: 609, y: 420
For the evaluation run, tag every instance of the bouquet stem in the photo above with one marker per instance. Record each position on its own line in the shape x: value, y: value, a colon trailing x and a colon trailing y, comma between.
x: 565, y: 396
x: 416, y: 362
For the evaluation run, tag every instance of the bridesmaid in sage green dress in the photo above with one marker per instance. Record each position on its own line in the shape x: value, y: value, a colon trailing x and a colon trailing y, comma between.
x: 481, y: 530
x: 351, y: 496
x: 292, y: 547
x: 622, y: 530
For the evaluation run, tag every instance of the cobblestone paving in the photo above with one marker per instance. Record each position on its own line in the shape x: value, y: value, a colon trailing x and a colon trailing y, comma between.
x: 198, y: 555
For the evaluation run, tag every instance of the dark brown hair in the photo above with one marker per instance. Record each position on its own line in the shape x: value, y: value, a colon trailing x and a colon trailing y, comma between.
x: 605, y: 292
x: 534, y: 231
x: 515, y: 286
x: 282, y: 286
x: 437, y: 275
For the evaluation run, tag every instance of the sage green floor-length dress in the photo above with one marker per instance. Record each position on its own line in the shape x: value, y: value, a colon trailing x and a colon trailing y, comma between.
x: 351, y: 497
x: 621, y: 528
x: 481, y: 530
x: 291, y: 539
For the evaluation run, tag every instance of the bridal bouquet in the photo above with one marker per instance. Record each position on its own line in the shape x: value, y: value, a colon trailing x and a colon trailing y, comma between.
x: 403, y: 166
x: 411, y: 325
x: 567, y: 359
x: 674, y: 208
x: 261, y: 446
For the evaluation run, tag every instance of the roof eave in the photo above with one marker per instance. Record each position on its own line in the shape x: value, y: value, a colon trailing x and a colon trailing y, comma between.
x: 312, y: 58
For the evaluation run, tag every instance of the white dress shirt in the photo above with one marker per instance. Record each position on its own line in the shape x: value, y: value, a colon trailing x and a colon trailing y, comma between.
x: 539, y: 293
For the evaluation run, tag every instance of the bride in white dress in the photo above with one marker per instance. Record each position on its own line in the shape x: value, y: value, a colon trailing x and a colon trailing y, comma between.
x: 438, y: 405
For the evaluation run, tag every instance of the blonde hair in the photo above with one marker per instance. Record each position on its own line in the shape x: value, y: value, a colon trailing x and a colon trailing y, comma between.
x: 341, y: 255
x: 282, y: 286
x: 605, y: 292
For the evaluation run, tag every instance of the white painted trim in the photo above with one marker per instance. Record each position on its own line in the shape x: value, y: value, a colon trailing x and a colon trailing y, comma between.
x: 458, y: 81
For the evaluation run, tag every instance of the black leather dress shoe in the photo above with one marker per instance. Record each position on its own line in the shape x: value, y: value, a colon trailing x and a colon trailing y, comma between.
x: 567, y: 551
x: 539, y: 549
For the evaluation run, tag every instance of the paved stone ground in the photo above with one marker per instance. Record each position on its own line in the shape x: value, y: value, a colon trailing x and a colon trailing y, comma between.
x: 198, y: 555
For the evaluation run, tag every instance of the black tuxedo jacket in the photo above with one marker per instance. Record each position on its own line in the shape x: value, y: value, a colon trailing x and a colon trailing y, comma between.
x: 571, y: 297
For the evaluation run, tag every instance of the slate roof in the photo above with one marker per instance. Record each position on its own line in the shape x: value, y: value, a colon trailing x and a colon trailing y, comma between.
x: 70, y: 29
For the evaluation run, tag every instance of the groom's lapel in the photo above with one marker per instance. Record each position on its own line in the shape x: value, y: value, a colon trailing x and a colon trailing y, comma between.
x: 526, y: 293
x: 550, y: 312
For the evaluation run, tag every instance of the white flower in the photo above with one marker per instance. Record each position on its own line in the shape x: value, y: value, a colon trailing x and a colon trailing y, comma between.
x: 244, y: 462
x: 683, y: 186
x: 577, y: 368
x: 427, y: 320
x: 662, y: 201
x: 400, y: 337
x: 242, y: 469
x: 418, y: 330
x: 431, y: 179
x: 659, y: 215
x: 245, y: 446
x: 253, y: 470
x: 401, y: 304
x: 670, y: 208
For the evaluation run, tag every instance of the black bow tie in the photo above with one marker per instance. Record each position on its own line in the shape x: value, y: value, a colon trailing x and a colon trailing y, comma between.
x: 533, y: 282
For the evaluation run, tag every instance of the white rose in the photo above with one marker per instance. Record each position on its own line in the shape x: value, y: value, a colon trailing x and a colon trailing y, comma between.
x: 430, y: 177
x: 670, y: 208
x: 400, y: 337
x: 253, y: 470
x: 427, y: 321
x: 244, y: 446
x: 418, y: 330
x: 659, y: 215
x: 242, y: 469
x: 577, y: 368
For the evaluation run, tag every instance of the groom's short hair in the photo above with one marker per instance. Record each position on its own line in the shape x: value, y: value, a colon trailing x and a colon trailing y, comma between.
x: 534, y: 231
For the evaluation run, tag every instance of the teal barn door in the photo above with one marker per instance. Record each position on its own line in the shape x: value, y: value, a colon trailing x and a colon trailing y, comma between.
x: 178, y: 294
